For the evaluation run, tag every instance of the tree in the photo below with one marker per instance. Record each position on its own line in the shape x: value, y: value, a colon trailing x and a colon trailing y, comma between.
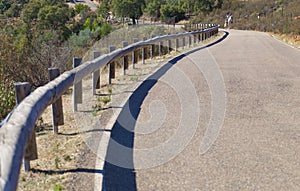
x: 169, y: 11
x: 128, y: 8
x: 209, y: 5
x: 4, y: 6
x: 153, y: 8
x: 103, y: 11
x: 53, y: 17
x: 30, y: 11
x: 13, y: 11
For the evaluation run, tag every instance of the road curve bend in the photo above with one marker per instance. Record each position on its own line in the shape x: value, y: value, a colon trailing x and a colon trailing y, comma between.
x: 256, y: 146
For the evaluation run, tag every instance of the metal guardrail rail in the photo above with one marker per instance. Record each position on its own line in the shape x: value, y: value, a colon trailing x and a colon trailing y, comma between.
x: 14, y: 133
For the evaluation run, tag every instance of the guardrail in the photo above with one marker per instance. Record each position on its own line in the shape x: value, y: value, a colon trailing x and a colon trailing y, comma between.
x: 15, y: 134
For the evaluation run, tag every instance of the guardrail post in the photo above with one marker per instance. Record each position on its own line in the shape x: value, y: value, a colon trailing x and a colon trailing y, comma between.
x: 152, y: 48
x: 169, y: 45
x: 183, y: 42
x: 77, y: 88
x: 22, y: 90
x: 135, y: 40
x: 111, y: 66
x: 57, y: 107
x: 160, y: 44
x: 95, y: 75
x: 189, y: 41
x: 124, y: 59
x: 176, y: 44
x: 143, y: 51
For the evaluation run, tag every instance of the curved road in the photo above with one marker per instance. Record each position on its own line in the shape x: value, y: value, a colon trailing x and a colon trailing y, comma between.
x: 258, y: 146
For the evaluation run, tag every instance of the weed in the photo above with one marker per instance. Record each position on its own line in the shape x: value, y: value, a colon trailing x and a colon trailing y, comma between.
x: 67, y: 158
x: 57, y: 161
x: 94, y: 112
x: 58, y: 187
x: 57, y: 146
x: 39, y: 125
x: 109, y: 90
x: 106, y: 99
x: 133, y: 78
x: 96, y: 107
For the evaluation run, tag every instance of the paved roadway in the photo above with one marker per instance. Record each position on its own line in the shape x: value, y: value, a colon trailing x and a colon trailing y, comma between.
x: 258, y: 146
x: 90, y: 3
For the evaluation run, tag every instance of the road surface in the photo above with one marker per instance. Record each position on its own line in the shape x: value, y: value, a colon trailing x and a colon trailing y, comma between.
x: 89, y: 3
x: 256, y: 148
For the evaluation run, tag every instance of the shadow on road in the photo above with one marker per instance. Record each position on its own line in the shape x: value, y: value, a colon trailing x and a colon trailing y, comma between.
x: 121, y: 174
x: 50, y: 172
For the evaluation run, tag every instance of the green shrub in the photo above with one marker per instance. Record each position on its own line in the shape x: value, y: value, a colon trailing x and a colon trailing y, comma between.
x: 105, y: 29
x: 83, y: 39
x: 79, y: 8
x: 7, y: 98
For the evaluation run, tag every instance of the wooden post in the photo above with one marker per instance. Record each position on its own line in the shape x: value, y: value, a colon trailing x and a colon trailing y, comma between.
x: 135, y: 40
x: 77, y: 88
x: 189, y: 41
x: 23, y: 90
x: 169, y: 45
x: 183, y: 42
x: 95, y: 75
x: 124, y: 59
x: 152, y: 48
x: 160, y: 44
x: 176, y: 44
x: 57, y: 107
x: 111, y: 66
x: 143, y: 51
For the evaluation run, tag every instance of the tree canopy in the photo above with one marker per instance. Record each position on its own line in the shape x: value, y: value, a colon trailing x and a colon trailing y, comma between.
x: 128, y: 8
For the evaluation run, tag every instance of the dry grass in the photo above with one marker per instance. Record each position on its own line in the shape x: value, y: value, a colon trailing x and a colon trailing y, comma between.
x: 57, y: 153
x: 293, y: 40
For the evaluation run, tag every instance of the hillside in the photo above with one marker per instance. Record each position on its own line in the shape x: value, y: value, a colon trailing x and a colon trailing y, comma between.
x: 38, y: 34
x: 280, y: 16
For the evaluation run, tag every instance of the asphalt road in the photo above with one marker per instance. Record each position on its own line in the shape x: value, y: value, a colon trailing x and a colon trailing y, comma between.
x: 90, y: 3
x: 257, y: 146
